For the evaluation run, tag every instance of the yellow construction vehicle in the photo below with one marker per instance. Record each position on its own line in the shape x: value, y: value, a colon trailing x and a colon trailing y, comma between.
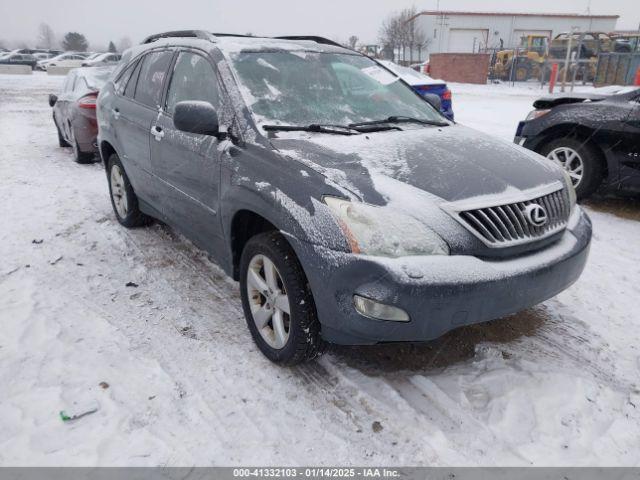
x: 522, y: 63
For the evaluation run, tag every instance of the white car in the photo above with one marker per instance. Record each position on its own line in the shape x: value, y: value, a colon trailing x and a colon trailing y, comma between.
x: 102, y: 60
x: 43, y: 56
x: 91, y: 56
x: 69, y: 60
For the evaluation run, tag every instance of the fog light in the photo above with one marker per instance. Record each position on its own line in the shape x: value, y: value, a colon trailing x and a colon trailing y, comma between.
x: 379, y: 311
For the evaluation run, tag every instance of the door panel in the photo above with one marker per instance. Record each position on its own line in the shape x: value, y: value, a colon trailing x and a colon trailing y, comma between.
x: 61, y: 108
x: 630, y: 161
x: 135, y: 115
x: 188, y: 164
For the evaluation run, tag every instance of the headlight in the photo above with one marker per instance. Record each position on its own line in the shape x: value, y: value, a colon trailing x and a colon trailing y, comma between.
x: 533, y: 114
x: 572, y: 191
x: 378, y: 231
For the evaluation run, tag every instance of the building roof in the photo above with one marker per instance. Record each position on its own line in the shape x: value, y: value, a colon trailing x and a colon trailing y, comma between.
x: 513, y: 14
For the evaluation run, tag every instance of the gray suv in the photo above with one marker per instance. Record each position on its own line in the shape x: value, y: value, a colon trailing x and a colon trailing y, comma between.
x: 349, y: 209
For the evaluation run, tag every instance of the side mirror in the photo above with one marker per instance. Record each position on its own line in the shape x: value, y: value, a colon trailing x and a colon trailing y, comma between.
x: 52, y: 100
x: 433, y: 100
x: 196, y: 117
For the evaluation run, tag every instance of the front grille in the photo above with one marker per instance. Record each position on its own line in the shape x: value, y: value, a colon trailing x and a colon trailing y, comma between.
x: 508, y: 224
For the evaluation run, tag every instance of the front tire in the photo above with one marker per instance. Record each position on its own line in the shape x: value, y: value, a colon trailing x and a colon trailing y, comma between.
x: 580, y: 160
x: 277, y: 301
x: 123, y: 199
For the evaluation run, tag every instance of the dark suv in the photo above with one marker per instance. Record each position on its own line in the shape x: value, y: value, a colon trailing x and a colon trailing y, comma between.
x: 350, y: 210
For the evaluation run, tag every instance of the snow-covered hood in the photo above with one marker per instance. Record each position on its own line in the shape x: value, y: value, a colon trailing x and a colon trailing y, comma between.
x: 452, y: 163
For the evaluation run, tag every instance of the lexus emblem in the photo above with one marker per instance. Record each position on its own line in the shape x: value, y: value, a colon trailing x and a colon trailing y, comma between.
x: 536, y: 214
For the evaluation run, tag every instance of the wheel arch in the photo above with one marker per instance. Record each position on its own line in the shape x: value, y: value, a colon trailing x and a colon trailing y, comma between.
x: 577, y: 132
x: 245, y: 224
x: 106, y: 150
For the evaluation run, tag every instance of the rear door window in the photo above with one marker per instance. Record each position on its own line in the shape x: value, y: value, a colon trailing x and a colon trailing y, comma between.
x: 152, y: 76
x: 193, y: 79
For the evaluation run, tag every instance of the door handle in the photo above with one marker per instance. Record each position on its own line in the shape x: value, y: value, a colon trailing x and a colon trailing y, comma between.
x: 157, y: 132
x: 116, y: 113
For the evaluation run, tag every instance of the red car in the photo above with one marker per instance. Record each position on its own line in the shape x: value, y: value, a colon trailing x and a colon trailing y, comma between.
x: 74, y: 111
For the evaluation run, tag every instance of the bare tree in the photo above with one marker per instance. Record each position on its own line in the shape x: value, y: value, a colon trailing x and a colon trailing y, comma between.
x: 353, y: 42
x: 46, y: 36
x: 400, y: 32
x: 124, y: 43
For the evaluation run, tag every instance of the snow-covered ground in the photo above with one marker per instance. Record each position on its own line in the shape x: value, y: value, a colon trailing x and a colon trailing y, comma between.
x: 554, y: 385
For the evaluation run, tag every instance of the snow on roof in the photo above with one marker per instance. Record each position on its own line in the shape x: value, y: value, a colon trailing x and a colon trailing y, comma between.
x: 238, y: 44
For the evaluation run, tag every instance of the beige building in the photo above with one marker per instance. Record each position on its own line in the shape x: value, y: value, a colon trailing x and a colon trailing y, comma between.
x: 466, y: 32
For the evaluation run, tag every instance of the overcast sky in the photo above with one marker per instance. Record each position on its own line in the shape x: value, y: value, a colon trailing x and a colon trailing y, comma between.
x: 104, y: 20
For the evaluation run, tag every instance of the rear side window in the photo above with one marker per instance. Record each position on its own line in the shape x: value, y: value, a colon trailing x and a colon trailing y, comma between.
x: 80, y: 84
x: 121, y: 82
x: 133, y: 80
x: 193, y: 79
x: 68, y: 84
x: 151, y: 78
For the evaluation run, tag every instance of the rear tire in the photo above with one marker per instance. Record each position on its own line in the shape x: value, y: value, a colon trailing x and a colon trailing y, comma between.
x: 123, y: 199
x: 300, y: 329
x: 592, y: 171
x: 78, y: 155
x: 61, y: 141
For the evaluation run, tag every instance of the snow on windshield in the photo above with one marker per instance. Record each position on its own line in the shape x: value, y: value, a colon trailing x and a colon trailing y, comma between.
x: 302, y: 88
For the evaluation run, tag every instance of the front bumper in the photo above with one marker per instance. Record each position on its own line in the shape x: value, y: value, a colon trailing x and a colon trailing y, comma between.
x: 439, y: 293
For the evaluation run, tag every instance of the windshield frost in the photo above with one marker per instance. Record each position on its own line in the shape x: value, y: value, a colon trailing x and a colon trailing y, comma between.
x: 303, y: 88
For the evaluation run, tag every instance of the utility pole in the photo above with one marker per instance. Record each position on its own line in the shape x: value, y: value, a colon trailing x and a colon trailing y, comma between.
x: 567, y: 59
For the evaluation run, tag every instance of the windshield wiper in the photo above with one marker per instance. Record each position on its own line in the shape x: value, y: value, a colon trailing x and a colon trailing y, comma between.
x: 314, y: 127
x: 400, y: 119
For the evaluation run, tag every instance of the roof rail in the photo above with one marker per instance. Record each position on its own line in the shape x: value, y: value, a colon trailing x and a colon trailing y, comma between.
x: 212, y: 36
x: 312, y: 38
x: 179, y: 33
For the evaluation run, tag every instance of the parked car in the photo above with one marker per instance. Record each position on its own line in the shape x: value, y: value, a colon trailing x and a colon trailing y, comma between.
x: 74, y: 111
x: 348, y: 208
x: 69, y: 60
x: 43, y: 56
x: 422, y: 67
x: 594, y: 137
x: 91, y: 56
x: 19, y: 59
x: 102, y: 60
x: 424, y: 85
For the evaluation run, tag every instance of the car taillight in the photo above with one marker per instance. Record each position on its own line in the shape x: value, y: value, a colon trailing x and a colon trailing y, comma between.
x: 88, y: 101
x: 446, y: 95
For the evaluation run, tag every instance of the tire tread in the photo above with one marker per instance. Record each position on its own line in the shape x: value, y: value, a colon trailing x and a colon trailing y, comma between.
x: 308, y: 343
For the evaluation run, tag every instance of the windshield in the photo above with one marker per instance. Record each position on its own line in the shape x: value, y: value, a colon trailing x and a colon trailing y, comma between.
x: 303, y: 88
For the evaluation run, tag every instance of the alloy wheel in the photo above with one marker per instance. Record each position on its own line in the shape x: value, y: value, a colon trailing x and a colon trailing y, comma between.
x: 269, y: 302
x: 118, y: 193
x: 571, y: 161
